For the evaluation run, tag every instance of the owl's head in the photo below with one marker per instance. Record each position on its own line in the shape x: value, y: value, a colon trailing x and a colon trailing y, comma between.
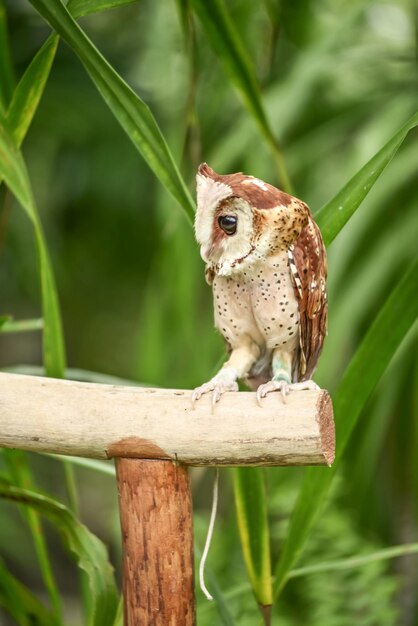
x: 240, y: 220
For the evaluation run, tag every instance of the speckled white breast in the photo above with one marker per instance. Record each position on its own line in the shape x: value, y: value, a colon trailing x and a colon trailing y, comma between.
x: 259, y: 303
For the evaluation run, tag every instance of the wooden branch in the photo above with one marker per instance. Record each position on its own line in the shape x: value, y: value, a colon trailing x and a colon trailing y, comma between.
x: 157, y: 535
x: 105, y: 421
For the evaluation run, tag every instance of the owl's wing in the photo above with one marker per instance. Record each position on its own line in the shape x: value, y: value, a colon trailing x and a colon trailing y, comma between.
x: 308, y: 265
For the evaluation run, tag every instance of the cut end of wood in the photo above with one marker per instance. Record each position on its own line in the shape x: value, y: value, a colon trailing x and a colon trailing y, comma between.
x: 326, y: 423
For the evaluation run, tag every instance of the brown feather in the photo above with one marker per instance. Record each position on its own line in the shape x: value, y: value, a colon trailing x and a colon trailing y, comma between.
x: 309, y: 257
x: 242, y: 186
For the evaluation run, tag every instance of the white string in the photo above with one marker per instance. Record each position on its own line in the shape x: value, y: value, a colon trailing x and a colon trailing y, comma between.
x: 209, y: 536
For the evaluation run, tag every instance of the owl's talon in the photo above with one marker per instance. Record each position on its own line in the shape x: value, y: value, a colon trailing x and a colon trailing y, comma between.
x: 284, y: 387
x: 215, y: 398
x: 224, y: 381
x: 195, y: 396
x: 306, y: 385
x: 273, y: 385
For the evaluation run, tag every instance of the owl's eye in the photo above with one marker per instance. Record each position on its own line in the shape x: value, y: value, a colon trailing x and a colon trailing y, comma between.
x: 228, y: 223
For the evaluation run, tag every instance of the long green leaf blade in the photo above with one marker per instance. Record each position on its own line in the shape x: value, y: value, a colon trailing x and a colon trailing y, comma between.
x: 227, y: 44
x: 119, y: 614
x: 335, y: 214
x: 131, y: 112
x: 73, y: 373
x: 79, y: 8
x: 20, y: 326
x: 21, y: 475
x: 356, y: 561
x: 88, y: 550
x: 105, y: 467
x: 366, y: 367
x: 13, y: 171
x: 6, y: 67
x: 28, y: 93
x: 224, y: 38
x: 53, y: 339
x: 250, y: 500
x: 224, y: 613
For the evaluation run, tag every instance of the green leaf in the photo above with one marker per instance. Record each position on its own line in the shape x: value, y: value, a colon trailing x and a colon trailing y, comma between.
x: 356, y: 561
x: 53, y: 340
x: 8, y: 325
x: 22, y: 606
x: 364, y: 371
x: 88, y: 550
x: 27, y: 95
x: 119, y: 614
x: 222, y: 608
x: 224, y: 614
x: 73, y: 373
x: 6, y: 67
x: 104, y: 467
x: 79, y: 8
x: 131, y: 112
x: 225, y: 40
x: 13, y: 171
x: 250, y: 501
x: 183, y: 10
x: 21, y: 475
x: 227, y: 44
x: 335, y: 214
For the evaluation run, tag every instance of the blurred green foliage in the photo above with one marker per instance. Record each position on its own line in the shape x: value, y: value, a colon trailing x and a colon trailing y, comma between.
x: 321, y: 87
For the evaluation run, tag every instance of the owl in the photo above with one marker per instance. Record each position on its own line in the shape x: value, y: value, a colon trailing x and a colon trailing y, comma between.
x: 266, y: 262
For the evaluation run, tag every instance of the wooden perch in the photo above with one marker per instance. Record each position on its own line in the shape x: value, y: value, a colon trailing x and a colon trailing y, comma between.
x: 146, y: 430
x: 106, y: 421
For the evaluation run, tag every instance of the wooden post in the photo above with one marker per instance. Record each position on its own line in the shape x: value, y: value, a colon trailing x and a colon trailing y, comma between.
x: 157, y: 537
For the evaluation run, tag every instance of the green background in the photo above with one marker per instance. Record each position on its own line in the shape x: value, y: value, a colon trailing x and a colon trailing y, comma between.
x: 338, y: 79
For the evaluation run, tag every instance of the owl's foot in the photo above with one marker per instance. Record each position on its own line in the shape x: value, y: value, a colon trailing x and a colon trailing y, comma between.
x: 225, y: 380
x: 284, y: 387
